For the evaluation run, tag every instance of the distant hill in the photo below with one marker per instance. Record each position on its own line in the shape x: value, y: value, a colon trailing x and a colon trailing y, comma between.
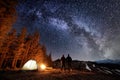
x: 109, y: 61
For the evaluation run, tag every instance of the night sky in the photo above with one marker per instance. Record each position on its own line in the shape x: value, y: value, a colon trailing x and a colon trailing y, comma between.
x: 85, y: 29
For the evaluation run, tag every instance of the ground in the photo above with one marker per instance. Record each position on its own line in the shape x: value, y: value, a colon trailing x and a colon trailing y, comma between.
x: 56, y: 74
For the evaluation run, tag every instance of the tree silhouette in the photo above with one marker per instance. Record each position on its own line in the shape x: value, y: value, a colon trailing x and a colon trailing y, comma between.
x: 7, y: 17
x: 6, y: 48
x: 19, y: 47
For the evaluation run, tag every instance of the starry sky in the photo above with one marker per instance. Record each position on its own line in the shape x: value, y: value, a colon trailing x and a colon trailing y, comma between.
x: 85, y: 29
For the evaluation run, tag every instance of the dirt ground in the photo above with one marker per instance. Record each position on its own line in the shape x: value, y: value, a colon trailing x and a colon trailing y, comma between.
x: 55, y: 74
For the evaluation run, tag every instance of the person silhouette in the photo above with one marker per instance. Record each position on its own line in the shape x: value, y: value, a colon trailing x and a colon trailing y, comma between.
x: 62, y: 62
x: 69, y: 62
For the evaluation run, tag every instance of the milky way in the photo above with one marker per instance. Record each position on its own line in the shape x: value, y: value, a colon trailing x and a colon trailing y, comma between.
x: 85, y: 29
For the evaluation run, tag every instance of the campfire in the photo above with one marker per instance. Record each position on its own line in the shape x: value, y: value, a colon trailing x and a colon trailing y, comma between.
x: 42, y: 66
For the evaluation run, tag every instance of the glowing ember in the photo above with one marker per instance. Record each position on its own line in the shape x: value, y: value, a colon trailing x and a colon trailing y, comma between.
x: 43, y: 67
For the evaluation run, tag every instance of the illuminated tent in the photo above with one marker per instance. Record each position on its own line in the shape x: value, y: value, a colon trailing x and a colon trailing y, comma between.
x: 30, y: 65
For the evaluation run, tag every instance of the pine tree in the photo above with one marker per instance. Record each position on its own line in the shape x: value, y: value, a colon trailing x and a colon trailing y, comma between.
x: 7, y: 17
x: 49, y: 60
x: 19, y: 49
x: 6, y: 47
x: 33, y: 48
